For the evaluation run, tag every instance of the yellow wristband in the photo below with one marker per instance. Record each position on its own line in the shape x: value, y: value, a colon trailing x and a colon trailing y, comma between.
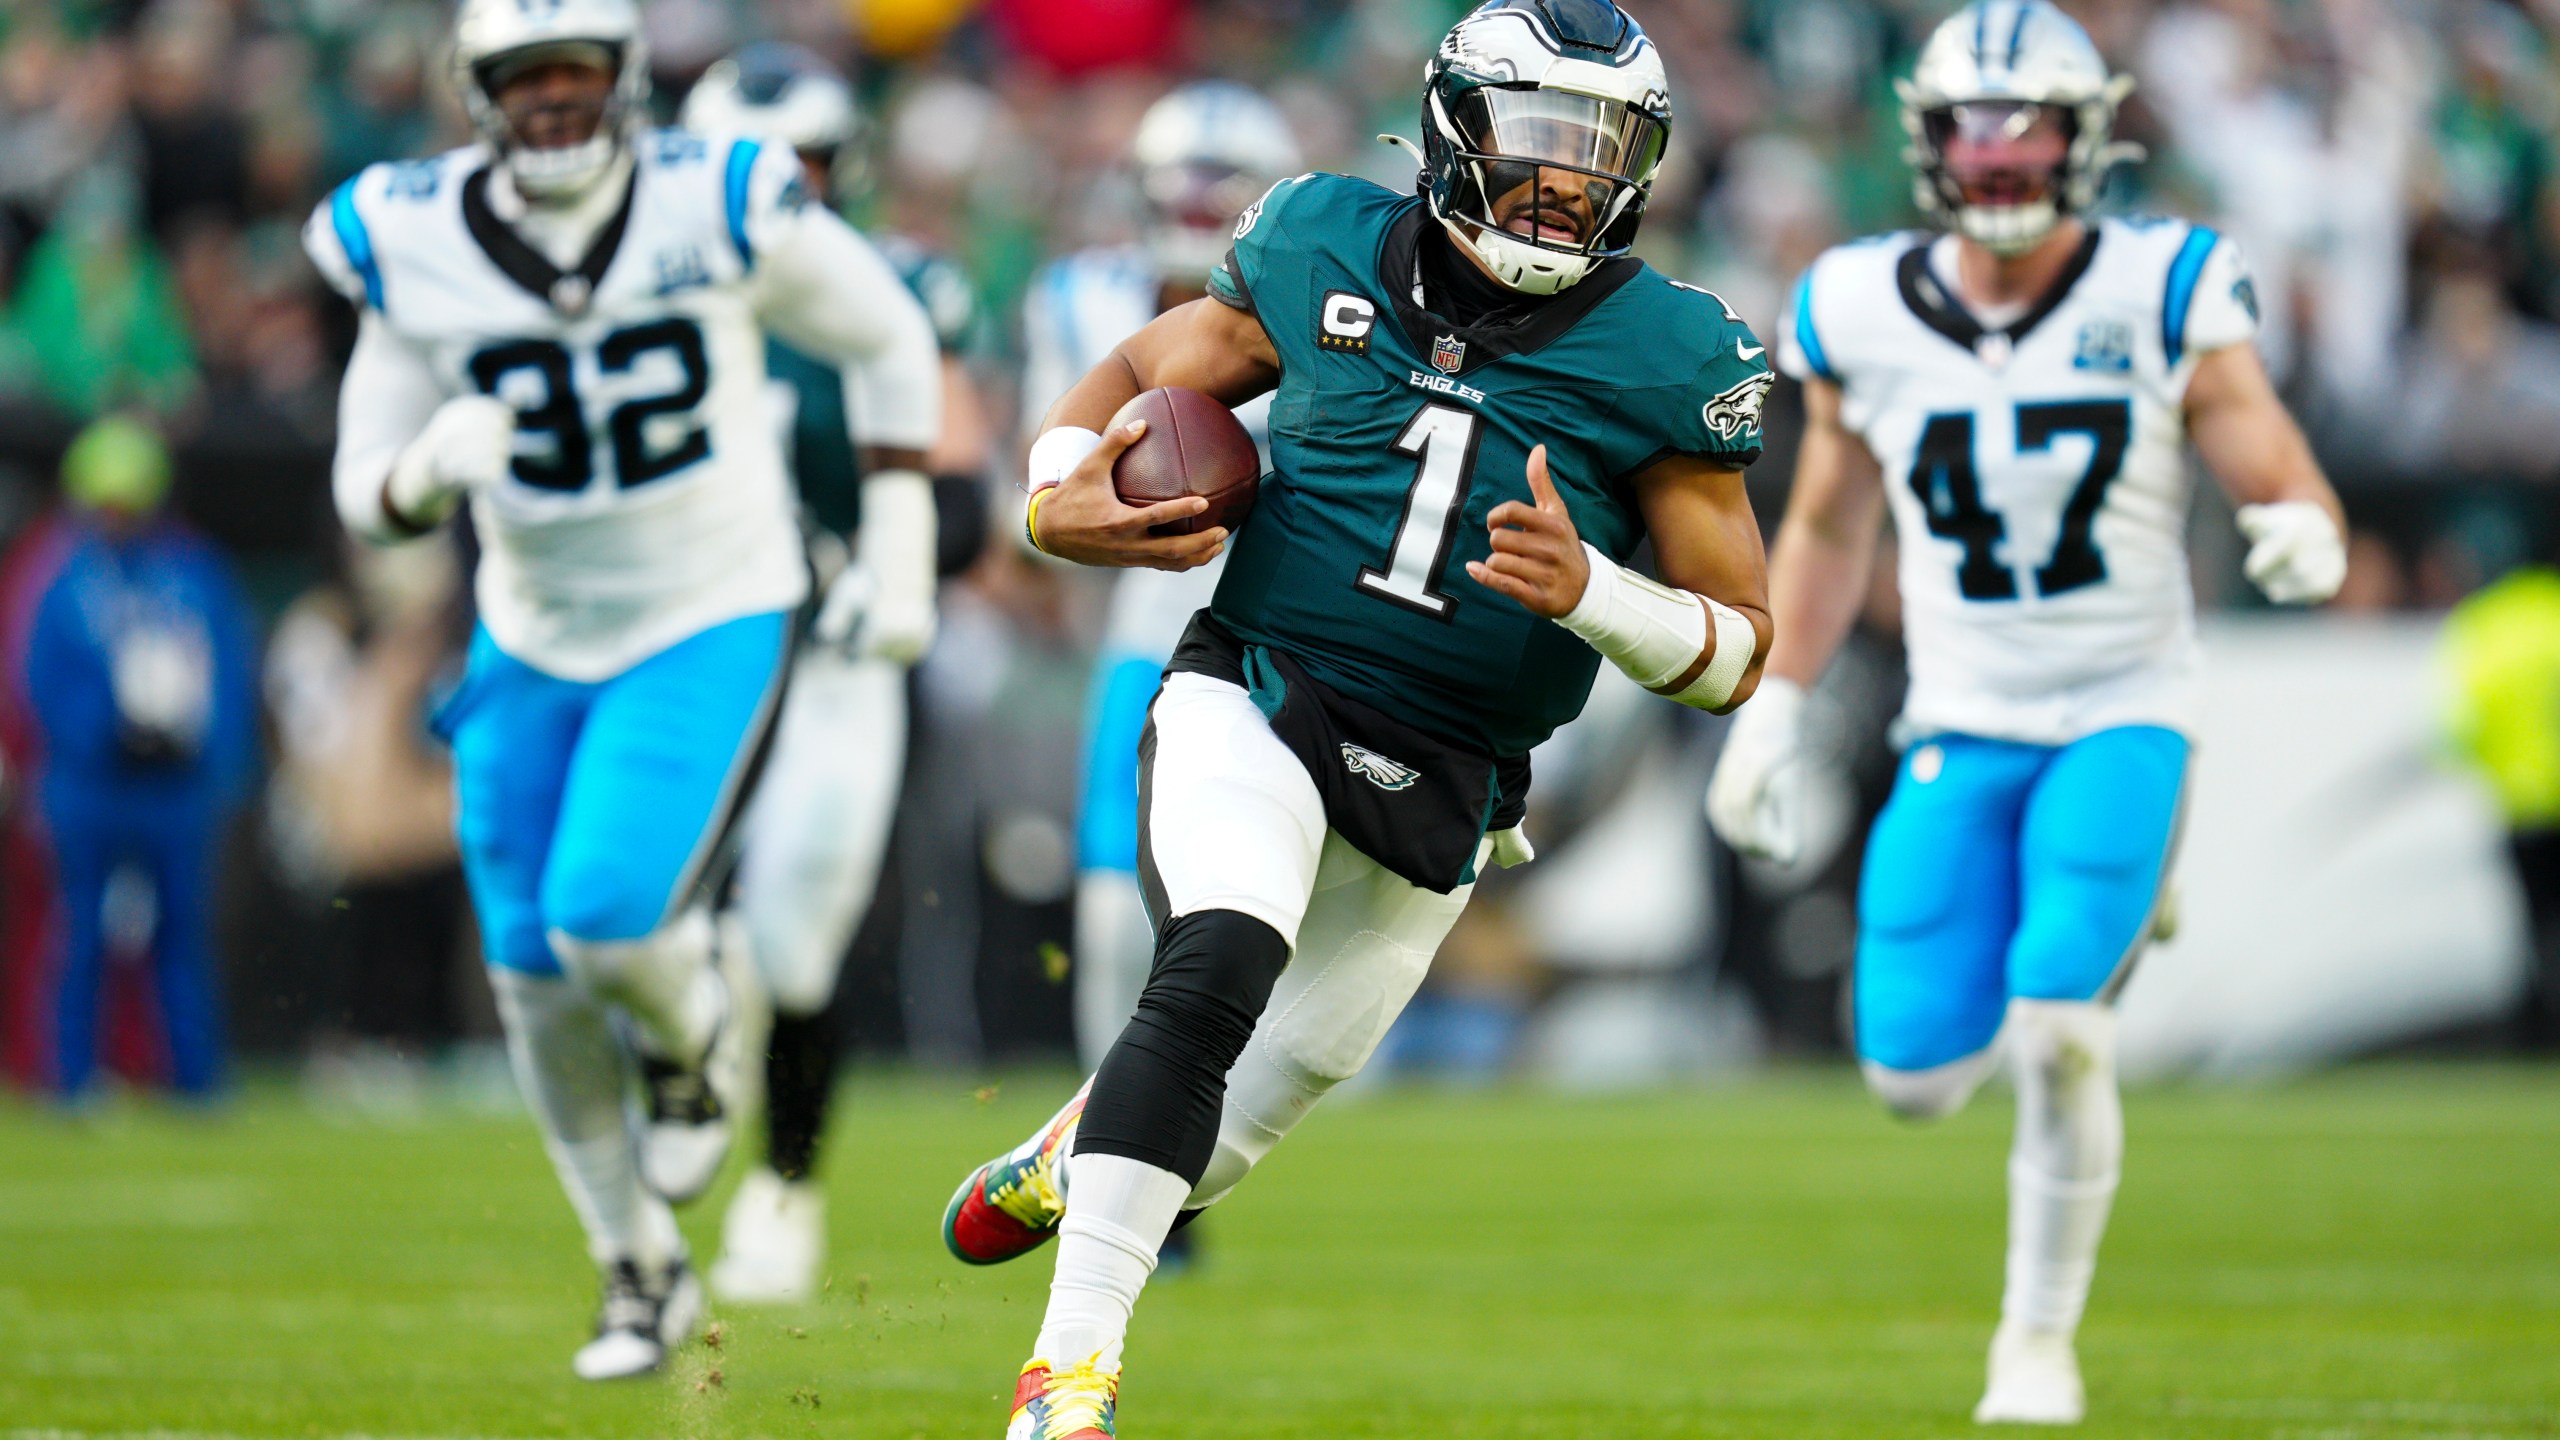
x: 1031, y: 519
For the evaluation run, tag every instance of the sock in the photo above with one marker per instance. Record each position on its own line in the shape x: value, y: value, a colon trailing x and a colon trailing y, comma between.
x: 1107, y: 1245
x: 573, y: 1073
x: 2064, y: 1161
x: 800, y: 1072
x: 665, y: 980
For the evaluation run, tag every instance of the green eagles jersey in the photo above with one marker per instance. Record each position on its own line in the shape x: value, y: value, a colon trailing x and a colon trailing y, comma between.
x: 1394, y: 434
x: 824, y: 463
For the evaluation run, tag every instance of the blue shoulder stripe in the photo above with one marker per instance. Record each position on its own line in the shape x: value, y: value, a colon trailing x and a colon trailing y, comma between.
x: 2183, y: 274
x: 1806, y: 339
x: 742, y: 167
x: 352, y: 238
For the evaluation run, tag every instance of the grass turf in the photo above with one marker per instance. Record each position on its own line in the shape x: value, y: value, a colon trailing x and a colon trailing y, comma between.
x: 2374, y: 1253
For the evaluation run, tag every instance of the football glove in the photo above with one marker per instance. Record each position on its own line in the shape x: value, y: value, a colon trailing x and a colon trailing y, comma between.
x: 882, y: 606
x: 2296, y: 554
x: 467, y: 445
x: 1756, y: 800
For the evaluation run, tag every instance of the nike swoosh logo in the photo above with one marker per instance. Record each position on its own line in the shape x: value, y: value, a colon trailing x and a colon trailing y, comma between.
x: 1749, y: 352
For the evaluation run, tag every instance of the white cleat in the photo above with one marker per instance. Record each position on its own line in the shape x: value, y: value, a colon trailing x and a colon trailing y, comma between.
x: 641, y: 1322
x: 773, y: 1242
x: 2035, y: 1380
x: 693, y: 1113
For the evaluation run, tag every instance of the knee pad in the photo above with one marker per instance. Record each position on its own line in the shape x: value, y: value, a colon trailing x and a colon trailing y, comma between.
x: 2063, y: 1042
x: 657, y: 977
x: 1156, y: 1098
x: 1933, y: 1093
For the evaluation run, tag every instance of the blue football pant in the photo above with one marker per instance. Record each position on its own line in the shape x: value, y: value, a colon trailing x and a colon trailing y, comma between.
x: 597, y: 809
x: 2001, y: 870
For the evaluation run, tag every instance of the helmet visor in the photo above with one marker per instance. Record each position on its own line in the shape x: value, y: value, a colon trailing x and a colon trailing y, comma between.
x: 1561, y: 171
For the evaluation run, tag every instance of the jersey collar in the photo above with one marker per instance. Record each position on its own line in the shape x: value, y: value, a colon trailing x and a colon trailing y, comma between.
x: 1484, y: 344
x: 1937, y: 307
x: 567, y: 291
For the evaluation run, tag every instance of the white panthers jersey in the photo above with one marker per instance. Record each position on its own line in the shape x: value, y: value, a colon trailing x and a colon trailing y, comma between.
x: 1079, y: 307
x: 2036, y: 470
x: 648, y: 499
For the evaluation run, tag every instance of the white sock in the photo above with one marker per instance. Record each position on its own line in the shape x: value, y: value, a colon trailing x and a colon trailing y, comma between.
x: 664, y: 980
x: 574, y: 1075
x: 1107, y: 1245
x: 2064, y: 1162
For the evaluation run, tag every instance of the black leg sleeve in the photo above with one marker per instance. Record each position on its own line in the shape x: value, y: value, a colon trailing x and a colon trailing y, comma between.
x: 800, y: 1074
x: 1156, y: 1097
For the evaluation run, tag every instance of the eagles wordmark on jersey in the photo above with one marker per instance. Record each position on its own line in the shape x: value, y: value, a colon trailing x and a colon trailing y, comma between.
x: 1396, y: 434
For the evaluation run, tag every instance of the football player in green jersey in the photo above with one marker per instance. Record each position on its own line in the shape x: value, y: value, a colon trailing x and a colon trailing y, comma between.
x: 1482, y: 407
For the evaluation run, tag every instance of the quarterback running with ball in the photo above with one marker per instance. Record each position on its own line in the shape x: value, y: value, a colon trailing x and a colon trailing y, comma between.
x: 2020, y: 392
x: 1481, y: 406
x: 565, y: 325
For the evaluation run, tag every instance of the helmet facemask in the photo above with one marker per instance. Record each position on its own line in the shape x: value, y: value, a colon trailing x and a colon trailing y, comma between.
x: 1543, y: 183
x: 2001, y: 168
x: 557, y: 130
x: 1192, y: 206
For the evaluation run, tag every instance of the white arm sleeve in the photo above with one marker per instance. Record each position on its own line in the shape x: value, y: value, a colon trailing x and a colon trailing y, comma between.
x: 824, y: 290
x: 383, y: 403
x: 1655, y: 633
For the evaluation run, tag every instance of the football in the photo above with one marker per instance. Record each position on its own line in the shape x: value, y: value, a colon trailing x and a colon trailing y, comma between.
x: 1193, y: 446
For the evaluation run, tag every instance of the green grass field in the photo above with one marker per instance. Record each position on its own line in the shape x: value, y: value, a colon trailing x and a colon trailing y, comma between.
x: 2374, y: 1253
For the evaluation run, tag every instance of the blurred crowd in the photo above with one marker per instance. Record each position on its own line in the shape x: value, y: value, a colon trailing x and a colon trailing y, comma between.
x: 2388, y: 165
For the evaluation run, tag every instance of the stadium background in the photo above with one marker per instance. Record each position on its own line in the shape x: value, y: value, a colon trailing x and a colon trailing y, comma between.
x: 2387, y: 163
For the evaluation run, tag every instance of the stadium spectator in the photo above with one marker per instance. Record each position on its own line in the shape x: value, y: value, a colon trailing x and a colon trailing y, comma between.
x: 2503, y: 648
x: 141, y: 670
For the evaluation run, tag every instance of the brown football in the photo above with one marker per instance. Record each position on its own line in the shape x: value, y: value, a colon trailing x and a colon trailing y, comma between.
x: 1193, y: 446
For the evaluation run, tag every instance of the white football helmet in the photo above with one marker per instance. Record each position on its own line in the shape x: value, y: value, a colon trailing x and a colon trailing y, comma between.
x: 2000, y: 56
x: 787, y: 93
x: 493, y: 39
x: 1522, y: 89
x: 1204, y: 153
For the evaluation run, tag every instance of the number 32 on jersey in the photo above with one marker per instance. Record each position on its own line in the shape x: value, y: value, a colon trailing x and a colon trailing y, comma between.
x: 1950, y: 493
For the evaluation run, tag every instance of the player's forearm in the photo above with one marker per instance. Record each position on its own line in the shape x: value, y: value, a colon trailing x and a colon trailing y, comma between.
x: 1817, y: 584
x: 2248, y: 440
x: 1090, y: 403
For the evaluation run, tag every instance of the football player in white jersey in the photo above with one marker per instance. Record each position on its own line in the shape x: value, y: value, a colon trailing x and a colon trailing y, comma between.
x: 2020, y: 391
x: 564, y: 326
x: 813, y: 839
x: 1204, y: 152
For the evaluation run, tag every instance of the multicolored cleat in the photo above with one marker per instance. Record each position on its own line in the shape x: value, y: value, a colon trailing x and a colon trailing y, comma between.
x: 1071, y: 1404
x: 1011, y: 1205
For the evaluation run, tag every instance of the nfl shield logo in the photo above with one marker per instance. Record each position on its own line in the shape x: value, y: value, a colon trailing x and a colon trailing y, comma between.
x: 1448, y: 352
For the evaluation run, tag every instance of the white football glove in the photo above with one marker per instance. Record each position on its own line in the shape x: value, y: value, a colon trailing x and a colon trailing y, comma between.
x: 467, y: 445
x: 2296, y: 554
x: 882, y: 606
x: 1756, y: 800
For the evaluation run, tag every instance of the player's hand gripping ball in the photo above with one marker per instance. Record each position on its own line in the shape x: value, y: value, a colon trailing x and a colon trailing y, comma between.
x: 1193, y: 446
x: 1188, y: 463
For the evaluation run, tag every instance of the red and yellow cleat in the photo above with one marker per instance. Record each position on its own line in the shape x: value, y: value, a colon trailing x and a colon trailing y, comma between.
x: 1070, y: 1404
x: 1011, y: 1205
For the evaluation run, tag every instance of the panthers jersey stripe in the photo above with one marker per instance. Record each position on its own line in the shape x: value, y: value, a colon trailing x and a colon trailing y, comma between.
x: 2184, y: 271
x: 742, y: 165
x: 344, y: 218
x: 1806, y: 336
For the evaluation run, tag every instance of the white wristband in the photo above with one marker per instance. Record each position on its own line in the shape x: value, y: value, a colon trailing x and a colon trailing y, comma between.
x: 1057, y: 453
x: 1655, y: 633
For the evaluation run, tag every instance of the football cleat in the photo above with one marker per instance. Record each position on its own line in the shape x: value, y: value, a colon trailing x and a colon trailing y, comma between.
x: 2035, y: 1380
x: 1071, y: 1404
x: 773, y: 1241
x: 691, y: 1108
x: 1011, y: 1205
x: 641, y: 1320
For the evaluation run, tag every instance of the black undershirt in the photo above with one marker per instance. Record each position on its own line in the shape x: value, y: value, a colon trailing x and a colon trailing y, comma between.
x: 1454, y: 289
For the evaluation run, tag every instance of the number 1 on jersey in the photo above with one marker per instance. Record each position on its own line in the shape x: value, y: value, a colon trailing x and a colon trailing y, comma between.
x: 1443, y: 439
